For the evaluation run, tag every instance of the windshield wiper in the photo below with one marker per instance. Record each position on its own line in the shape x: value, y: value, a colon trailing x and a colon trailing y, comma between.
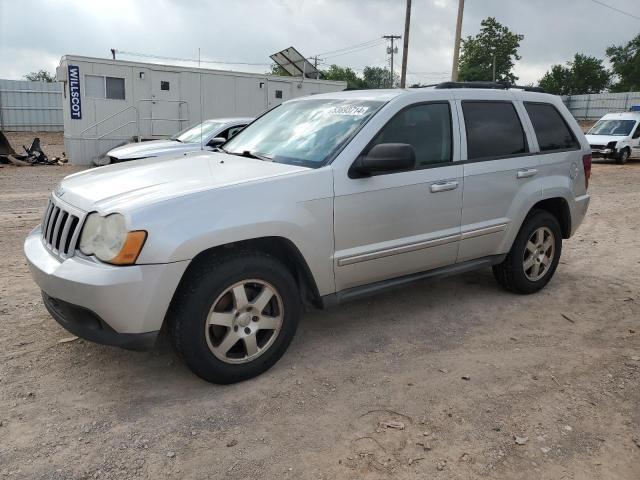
x: 248, y: 154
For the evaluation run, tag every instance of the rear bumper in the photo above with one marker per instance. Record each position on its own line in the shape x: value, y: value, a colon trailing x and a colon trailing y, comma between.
x: 121, y: 300
x: 579, y: 208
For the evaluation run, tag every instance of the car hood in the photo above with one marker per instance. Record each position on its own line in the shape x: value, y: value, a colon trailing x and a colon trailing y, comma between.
x: 603, y: 139
x: 153, y: 148
x: 127, y: 186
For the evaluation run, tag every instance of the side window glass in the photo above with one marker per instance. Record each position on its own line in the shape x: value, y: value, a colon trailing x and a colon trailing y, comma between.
x: 551, y: 130
x: 493, y: 130
x: 233, y: 131
x: 427, y: 128
x: 636, y: 134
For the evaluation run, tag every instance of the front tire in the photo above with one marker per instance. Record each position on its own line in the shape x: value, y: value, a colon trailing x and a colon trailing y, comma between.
x: 534, y: 255
x: 623, y: 156
x: 234, y: 316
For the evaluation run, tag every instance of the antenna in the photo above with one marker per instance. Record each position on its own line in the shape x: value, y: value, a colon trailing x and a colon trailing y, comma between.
x: 201, y: 101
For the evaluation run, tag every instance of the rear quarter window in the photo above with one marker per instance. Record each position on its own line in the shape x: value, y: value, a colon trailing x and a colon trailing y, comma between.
x: 493, y: 130
x: 551, y: 130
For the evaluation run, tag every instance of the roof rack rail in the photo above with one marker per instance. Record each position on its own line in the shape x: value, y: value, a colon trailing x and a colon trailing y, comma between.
x: 491, y: 85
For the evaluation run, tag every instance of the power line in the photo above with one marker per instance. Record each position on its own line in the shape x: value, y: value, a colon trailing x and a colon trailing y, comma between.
x: 378, y: 42
x: 179, y: 59
x: 616, y: 9
x: 375, y: 40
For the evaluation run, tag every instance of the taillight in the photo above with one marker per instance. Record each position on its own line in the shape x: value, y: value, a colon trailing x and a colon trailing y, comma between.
x: 586, y: 163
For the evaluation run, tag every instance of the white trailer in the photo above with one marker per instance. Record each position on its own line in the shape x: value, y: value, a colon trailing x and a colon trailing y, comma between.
x: 110, y: 102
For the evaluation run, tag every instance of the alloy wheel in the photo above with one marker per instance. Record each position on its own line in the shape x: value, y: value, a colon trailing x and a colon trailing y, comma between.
x: 244, y: 321
x: 538, y: 254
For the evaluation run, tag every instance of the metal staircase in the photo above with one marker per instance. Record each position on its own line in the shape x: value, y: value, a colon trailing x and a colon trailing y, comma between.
x: 134, y: 124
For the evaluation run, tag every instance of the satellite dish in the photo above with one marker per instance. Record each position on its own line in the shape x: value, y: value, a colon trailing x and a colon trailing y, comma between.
x: 294, y: 63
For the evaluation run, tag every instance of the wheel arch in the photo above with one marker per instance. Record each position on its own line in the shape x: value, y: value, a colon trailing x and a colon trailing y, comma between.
x: 278, y: 247
x: 559, y: 208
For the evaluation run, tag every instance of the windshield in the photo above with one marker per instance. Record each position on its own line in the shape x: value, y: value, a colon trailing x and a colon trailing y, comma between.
x: 612, y: 127
x: 192, y: 134
x: 304, y: 132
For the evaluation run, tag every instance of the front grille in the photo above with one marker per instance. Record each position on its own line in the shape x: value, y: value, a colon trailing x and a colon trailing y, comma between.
x: 597, y: 147
x: 60, y: 229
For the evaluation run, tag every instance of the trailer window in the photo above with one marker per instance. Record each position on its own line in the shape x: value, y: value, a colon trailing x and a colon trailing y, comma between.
x: 97, y: 86
x: 164, y: 85
x: 115, y: 88
x: 94, y: 86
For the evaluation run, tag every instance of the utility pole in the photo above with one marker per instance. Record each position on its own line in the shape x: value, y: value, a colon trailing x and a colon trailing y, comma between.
x: 405, y: 46
x: 392, y: 50
x: 315, y: 65
x: 456, y: 48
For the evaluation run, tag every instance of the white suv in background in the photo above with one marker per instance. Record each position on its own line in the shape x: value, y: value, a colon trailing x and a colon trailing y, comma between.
x: 320, y: 200
x: 202, y: 136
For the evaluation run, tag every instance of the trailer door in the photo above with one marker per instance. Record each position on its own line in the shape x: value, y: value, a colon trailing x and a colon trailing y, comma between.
x: 279, y: 91
x: 166, y: 111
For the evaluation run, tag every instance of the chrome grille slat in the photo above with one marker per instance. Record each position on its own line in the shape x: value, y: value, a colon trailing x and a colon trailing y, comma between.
x: 65, y: 233
x: 56, y: 228
x: 52, y: 221
x: 74, y: 240
x: 45, y: 219
x: 61, y: 225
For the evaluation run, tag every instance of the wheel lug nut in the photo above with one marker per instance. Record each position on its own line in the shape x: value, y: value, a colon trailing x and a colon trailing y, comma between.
x: 247, y: 330
x: 235, y: 328
x: 255, y: 319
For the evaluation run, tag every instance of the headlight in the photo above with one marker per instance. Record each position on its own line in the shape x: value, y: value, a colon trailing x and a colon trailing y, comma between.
x: 612, y: 144
x: 108, y: 239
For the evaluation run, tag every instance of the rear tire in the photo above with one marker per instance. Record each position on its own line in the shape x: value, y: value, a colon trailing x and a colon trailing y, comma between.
x: 534, y: 255
x: 623, y: 156
x: 234, y: 316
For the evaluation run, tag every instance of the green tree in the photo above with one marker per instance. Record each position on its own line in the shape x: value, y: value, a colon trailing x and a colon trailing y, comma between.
x: 40, y: 76
x: 477, y: 56
x: 625, y: 62
x: 582, y: 75
x: 334, y: 72
x: 278, y: 71
x: 557, y: 80
x: 379, y: 77
x: 372, y: 77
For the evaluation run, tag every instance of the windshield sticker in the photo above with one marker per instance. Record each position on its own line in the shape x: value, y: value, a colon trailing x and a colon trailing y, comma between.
x: 355, y: 110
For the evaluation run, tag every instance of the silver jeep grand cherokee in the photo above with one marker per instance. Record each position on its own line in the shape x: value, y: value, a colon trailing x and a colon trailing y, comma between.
x: 321, y: 200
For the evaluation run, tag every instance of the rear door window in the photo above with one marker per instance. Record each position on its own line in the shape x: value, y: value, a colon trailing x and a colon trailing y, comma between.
x: 493, y: 130
x: 551, y: 130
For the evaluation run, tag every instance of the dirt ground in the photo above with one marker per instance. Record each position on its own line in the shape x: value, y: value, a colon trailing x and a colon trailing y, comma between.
x: 463, y: 366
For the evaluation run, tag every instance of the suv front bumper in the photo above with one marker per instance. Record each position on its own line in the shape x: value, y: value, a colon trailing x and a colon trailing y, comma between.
x: 113, y: 305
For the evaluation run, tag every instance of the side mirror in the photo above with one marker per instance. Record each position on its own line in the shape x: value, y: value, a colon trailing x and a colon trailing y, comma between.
x: 384, y: 158
x: 216, y: 142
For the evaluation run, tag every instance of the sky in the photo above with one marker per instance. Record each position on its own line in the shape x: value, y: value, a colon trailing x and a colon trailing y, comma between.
x: 34, y: 34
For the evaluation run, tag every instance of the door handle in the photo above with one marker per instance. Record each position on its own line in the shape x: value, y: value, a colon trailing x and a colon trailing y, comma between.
x: 443, y: 186
x: 526, y: 173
